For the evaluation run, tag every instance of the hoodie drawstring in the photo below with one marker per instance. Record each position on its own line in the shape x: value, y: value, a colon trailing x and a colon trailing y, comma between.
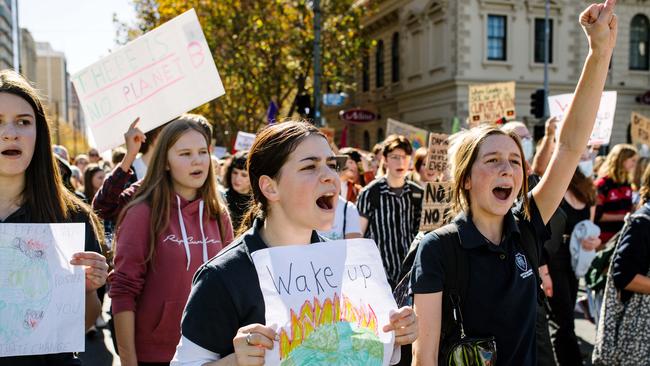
x: 184, y: 233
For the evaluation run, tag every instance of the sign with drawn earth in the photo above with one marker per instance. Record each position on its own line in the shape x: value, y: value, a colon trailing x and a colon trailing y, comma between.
x: 42, y: 300
x: 330, y: 301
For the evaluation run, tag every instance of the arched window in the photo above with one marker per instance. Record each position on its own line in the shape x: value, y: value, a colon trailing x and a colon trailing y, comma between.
x: 366, y: 140
x: 380, y: 134
x: 365, y: 71
x: 379, y: 64
x: 639, y: 41
x: 394, y: 58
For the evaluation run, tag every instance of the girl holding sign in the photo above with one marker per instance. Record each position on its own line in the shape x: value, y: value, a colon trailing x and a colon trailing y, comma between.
x: 293, y: 177
x: 499, y: 243
x: 174, y: 224
x: 33, y: 192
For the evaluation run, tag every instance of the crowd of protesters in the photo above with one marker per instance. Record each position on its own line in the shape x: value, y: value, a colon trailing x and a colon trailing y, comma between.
x: 177, y: 227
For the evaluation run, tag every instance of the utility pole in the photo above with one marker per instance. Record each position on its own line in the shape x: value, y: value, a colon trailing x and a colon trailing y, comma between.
x: 547, y: 37
x: 56, y: 123
x: 317, y: 65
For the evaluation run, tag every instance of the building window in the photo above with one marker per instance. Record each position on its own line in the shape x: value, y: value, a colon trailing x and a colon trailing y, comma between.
x: 394, y: 58
x: 366, y: 140
x: 379, y: 64
x: 496, y: 37
x: 380, y: 134
x: 539, y: 40
x: 365, y: 71
x: 639, y: 40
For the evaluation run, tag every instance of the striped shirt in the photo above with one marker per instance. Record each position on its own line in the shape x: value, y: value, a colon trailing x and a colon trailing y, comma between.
x: 393, y: 220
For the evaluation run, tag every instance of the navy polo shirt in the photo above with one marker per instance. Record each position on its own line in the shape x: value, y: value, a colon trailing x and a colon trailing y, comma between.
x: 501, y: 299
x: 226, y: 294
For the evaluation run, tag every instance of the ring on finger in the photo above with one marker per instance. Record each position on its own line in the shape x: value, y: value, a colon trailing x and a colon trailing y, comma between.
x: 248, y: 339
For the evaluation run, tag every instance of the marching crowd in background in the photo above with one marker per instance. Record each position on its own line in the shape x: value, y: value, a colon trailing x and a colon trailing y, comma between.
x: 175, y: 227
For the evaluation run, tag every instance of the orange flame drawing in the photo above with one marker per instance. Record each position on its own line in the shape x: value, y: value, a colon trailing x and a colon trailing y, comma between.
x: 312, y: 316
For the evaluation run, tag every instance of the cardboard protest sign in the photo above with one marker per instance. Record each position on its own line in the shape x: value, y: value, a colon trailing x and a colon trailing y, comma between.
x: 437, y: 154
x: 559, y: 104
x: 491, y: 102
x: 330, y: 301
x: 166, y: 72
x: 42, y: 296
x: 328, y: 132
x: 640, y: 129
x: 435, y: 206
x: 417, y: 136
x: 244, y: 141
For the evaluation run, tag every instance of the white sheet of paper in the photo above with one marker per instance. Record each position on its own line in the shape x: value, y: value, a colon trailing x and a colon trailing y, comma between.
x: 244, y: 141
x: 42, y: 297
x: 558, y: 105
x: 329, y: 300
x: 157, y: 77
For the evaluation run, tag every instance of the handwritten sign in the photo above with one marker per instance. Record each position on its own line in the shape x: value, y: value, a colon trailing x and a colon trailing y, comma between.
x: 559, y: 104
x: 437, y: 154
x: 640, y: 129
x: 244, y: 141
x: 435, y: 206
x: 42, y: 301
x: 417, y: 136
x: 166, y: 72
x: 491, y: 102
x: 330, y: 301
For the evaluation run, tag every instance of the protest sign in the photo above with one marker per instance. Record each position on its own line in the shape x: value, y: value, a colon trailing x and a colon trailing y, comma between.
x: 435, y: 205
x: 42, y: 296
x: 330, y: 301
x: 437, y: 154
x: 417, y: 136
x: 491, y: 102
x: 244, y: 141
x: 328, y: 132
x: 640, y: 129
x: 558, y: 105
x: 162, y: 74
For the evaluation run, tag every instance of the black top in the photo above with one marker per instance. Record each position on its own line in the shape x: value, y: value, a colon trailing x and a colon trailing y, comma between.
x: 633, y: 254
x: 22, y: 216
x: 237, y: 205
x: 226, y: 295
x: 562, y: 258
x: 501, y: 298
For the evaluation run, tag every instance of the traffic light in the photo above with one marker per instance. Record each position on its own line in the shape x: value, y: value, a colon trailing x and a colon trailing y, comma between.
x: 537, y: 101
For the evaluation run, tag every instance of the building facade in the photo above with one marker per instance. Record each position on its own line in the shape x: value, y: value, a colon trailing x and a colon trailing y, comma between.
x: 426, y: 53
x: 27, y: 55
x: 6, y: 35
x: 52, y: 80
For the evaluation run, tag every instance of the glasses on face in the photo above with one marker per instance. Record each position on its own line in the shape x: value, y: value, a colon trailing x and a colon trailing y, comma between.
x: 397, y: 157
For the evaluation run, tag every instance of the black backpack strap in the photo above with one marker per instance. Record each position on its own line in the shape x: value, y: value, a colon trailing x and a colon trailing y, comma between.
x: 345, y: 209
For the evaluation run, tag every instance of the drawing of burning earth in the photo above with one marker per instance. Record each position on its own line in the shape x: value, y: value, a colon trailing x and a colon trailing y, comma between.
x: 334, y: 333
x: 25, y: 287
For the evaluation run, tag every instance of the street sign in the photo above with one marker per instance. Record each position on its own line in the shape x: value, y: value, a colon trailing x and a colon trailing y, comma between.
x: 357, y: 115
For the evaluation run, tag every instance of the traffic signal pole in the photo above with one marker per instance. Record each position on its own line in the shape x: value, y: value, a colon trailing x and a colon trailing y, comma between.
x: 547, y: 35
x: 317, y: 66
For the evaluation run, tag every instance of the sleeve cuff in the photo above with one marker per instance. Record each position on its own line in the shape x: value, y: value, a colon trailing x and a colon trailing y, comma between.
x: 120, y: 304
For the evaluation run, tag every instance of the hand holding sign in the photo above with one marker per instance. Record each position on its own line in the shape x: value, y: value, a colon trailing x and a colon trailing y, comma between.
x: 250, y: 344
x: 405, y: 324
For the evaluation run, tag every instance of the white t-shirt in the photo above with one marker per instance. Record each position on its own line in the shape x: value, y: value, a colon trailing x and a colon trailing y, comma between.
x: 352, y: 221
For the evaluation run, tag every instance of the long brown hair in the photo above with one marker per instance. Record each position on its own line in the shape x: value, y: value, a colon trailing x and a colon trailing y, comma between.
x: 45, y: 196
x: 157, y: 189
x: 89, y: 173
x: 269, y: 152
x: 613, y: 165
x: 644, y: 191
x: 463, y: 153
x: 583, y: 188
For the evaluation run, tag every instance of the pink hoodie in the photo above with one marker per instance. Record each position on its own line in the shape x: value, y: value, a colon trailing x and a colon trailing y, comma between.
x: 158, y: 290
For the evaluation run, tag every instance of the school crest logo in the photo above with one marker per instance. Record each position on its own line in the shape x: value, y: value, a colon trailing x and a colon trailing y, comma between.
x: 522, y: 264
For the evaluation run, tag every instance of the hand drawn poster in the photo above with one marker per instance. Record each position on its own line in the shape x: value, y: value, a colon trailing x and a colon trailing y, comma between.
x: 640, y: 129
x: 417, y: 136
x: 558, y: 105
x: 244, y: 141
x: 330, y: 301
x: 42, y: 297
x: 491, y: 102
x: 437, y: 154
x: 435, y: 206
x: 162, y: 74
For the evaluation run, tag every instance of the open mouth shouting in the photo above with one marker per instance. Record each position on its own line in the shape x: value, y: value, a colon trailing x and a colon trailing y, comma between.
x: 326, y: 201
x: 12, y: 153
x: 502, y: 193
x: 196, y: 173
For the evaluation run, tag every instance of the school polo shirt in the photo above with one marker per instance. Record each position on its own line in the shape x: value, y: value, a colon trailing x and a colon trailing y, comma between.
x: 226, y: 295
x: 501, y: 299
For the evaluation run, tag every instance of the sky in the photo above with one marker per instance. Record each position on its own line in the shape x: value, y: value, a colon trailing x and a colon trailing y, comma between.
x: 82, y: 29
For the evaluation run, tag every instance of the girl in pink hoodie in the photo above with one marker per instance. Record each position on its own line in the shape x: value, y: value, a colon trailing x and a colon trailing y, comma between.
x: 175, y: 223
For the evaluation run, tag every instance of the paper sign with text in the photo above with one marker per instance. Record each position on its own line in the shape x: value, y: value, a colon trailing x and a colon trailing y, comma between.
x: 435, y: 206
x: 157, y: 77
x: 640, y: 129
x: 244, y: 141
x: 491, y: 102
x: 558, y: 105
x: 417, y: 136
x: 330, y: 302
x: 437, y: 154
x: 42, y: 296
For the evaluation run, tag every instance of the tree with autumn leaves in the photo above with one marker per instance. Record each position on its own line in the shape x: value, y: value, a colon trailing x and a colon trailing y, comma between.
x: 263, y: 50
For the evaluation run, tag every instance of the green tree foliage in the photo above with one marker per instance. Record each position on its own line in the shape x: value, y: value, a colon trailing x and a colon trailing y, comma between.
x: 263, y: 50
